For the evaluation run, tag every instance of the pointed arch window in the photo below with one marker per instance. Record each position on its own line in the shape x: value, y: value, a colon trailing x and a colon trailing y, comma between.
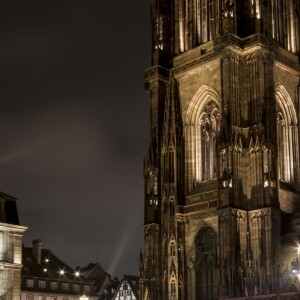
x: 281, y: 122
x: 172, y: 249
x: 2, y: 254
x: 210, y: 122
x: 151, y: 181
x: 287, y: 137
x: 202, y: 127
x: 173, y: 288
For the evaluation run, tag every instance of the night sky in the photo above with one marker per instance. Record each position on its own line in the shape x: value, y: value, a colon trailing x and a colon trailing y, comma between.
x: 74, y: 125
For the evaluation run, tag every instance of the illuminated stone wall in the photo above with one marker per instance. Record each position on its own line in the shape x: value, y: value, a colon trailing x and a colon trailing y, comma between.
x: 222, y: 178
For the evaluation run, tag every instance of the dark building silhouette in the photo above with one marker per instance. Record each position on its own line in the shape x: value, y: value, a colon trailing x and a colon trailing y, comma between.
x: 222, y: 176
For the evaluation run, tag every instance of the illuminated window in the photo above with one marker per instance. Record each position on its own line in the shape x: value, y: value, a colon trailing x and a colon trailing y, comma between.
x: 30, y: 283
x: 65, y: 286
x: 76, y: 288
x: 40, y: 297
x: 54, y: 285
x: 53, y: 298
x: 42, y: 284
x: 86, y: 289
x: 29, y: 297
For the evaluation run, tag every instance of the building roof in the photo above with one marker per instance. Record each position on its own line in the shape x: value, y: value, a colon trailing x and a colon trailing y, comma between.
x: 96, y: 273
x: 110, y: 289
x: 52, y: 269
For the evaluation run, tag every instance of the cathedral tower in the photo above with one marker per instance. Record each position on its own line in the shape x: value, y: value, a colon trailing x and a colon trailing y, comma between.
x: 222, y: 174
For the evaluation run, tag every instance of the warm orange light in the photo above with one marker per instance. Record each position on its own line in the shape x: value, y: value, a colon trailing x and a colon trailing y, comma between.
x: 84, y: 297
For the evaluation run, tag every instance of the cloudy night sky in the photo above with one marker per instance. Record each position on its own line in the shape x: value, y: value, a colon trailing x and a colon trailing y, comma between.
x: 74, y: 125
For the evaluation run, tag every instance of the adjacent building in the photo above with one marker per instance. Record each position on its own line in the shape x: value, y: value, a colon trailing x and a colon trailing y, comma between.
x: 128, y: 288
x: 110, y: 290
x: 11, y: 234
x: 222, y: 174
x: 100, y: 278
x: 46, y: 277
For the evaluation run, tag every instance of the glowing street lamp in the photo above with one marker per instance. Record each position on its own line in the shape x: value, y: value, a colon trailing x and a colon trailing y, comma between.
x: 84, y: 297
x: 77, y: 274
x: 296, y: 263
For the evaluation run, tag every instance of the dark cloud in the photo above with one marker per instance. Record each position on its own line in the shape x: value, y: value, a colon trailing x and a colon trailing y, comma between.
x: 74, y: 125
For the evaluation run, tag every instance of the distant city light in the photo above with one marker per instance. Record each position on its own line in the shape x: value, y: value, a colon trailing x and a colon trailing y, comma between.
x: 61, y: 272
x: 46, y: 260
x: 45, y: 270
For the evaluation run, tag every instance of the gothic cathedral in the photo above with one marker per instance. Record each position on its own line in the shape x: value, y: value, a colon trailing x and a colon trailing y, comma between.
x: 222, y: 174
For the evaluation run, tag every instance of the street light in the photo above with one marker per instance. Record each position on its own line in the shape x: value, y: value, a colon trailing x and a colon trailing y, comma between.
x: 83, y: 297
x: 296, y: 264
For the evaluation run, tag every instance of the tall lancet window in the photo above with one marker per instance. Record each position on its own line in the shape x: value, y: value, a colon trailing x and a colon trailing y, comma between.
x: 287, y: 137
x: 281, y: 125
x: 207, y: 19
x: 2, y: 254
x: 202, y: 127
x: 210, y: 122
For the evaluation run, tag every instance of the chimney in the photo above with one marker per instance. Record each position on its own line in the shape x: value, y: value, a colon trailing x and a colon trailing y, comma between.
x: 36, y: 250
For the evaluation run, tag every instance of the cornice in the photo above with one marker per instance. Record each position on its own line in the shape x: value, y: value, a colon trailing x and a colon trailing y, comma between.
x: 12, y: 227
x: 243, y: 47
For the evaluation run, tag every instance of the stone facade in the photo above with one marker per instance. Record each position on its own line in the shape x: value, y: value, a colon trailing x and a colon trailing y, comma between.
x: 222, y: 174
x: 11, y: 234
